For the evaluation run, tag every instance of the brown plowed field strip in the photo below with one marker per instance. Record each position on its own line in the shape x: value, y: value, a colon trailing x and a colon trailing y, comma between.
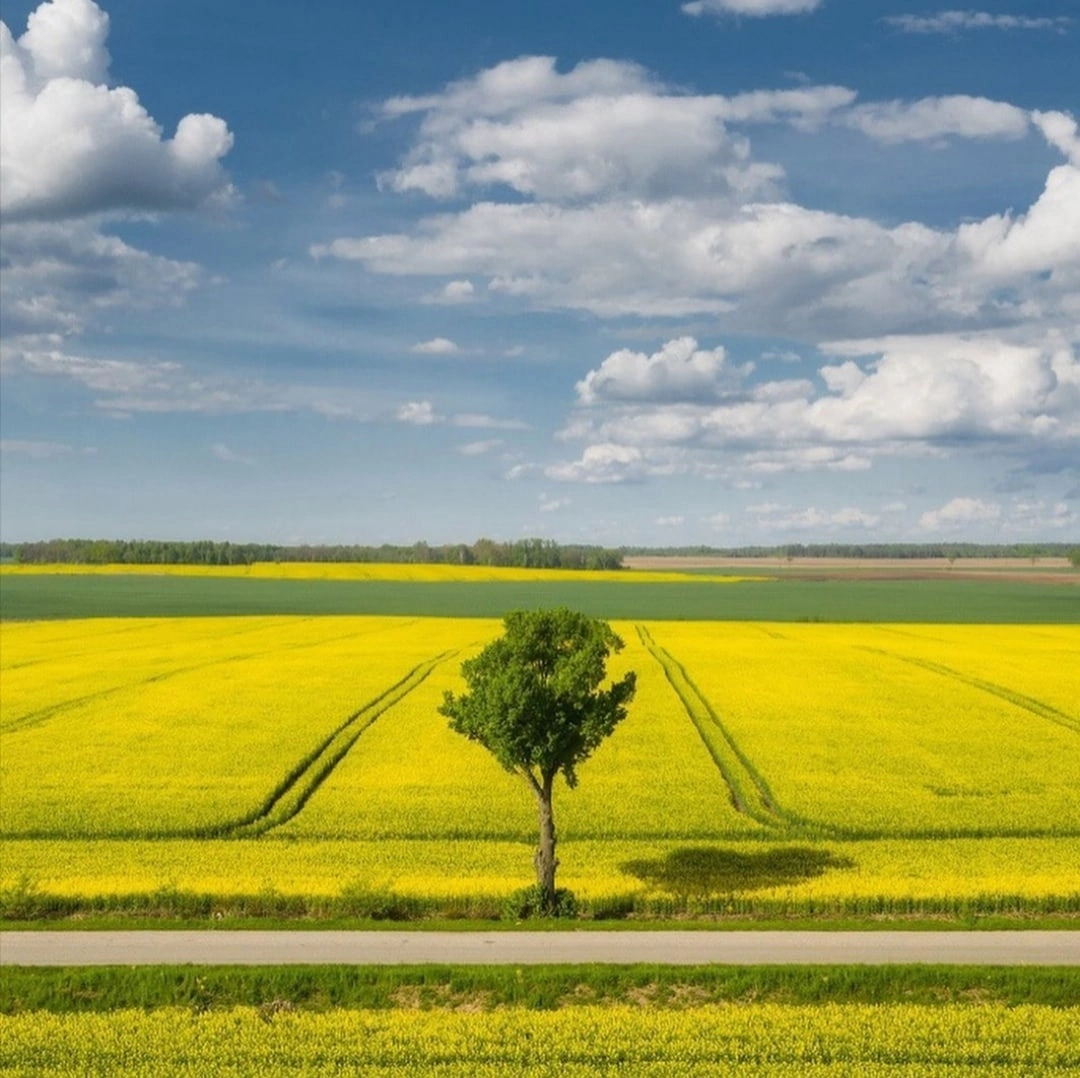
x: 1042, y: 571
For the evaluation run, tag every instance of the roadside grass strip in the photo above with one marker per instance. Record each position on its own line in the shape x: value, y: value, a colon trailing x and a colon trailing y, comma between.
x: 572, y: 1042
x: 1026, y: 703
x: 749, y: 792
x: 308, y: 775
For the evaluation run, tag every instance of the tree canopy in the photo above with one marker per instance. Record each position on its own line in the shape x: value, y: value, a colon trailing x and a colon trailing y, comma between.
x: 535, y: 702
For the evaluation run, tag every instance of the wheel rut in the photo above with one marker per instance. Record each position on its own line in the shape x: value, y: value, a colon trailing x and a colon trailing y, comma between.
x: 42, y: 715
x: 747, y: 789
x: 297, y: 788
x: 1025, y: 703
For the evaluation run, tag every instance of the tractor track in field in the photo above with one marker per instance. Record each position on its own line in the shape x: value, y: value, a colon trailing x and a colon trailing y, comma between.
x: 1010, y: 696
x: 297, y: 788
x: 747, y: 789
x: 42, y: 715
x: 142, y: 647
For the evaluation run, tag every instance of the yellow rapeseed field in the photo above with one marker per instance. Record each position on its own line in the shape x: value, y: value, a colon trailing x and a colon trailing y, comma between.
x: 855, y: 728
x: 792, y: 766
x: 795, y: 1041
x: 427, y: 573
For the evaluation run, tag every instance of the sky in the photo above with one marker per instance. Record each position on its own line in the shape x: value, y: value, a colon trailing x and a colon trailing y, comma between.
x: 716, y: 272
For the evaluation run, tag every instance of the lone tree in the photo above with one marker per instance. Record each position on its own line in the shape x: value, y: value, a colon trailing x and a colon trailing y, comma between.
x: 535, y: 703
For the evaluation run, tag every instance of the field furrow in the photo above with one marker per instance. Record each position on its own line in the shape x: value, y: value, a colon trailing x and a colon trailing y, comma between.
x: 748, y: 791
x: 1025, y: 703
x: 34, y: 718
x: 294, y: 793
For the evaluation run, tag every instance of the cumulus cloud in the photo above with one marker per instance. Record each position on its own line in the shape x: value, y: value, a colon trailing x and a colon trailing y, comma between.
x: 623, y: 196
x: 678, y: 371
x: 605, y: 463
x: 71, y: 146
x: 458, y: 292
x: 959, y: 512
x: 603, y: 126
x: 437, y: 346
x: 675, y: 521
x: 750, y: 8
x: 953, y: 22
x: 924, y: 395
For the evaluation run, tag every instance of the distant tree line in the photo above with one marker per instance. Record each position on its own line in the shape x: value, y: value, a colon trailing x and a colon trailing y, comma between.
x: 522, y: 553
x: 868, y: 550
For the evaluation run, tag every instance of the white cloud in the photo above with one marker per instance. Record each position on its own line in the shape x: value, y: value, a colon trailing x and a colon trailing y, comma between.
x: 72, y: 146
x: 932, y: 118
x: 478, y: 449
x: 606, y: 463
x: 1039, y: 516
x: 458, y: 292
x: 719, y: 520
x: 1061, y: 131
x: 553, y: 505
x: 57, y: 278
x: 750, y: 8
x: 952, y: 22
x: 678, y: 371
x: 779, y: 518
x: 604, y: 126
x: 437, y: 346
x: 419, y: 413
x: 631, y: 198
x: 123, y: 387
x: 913, y: 396
x: 959, y: 512
x: 671, y: 521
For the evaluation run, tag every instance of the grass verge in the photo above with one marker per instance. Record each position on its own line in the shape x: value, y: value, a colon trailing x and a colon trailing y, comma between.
x: 321, y: 988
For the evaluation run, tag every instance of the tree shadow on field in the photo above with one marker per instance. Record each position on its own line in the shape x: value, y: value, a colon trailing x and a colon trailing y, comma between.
x: 710, y: 870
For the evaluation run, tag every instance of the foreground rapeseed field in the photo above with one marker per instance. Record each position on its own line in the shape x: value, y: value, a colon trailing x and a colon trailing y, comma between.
x: 737, y: 1039
x: 780, y: 768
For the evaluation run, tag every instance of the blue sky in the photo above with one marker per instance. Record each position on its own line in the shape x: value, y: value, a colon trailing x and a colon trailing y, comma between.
x: 726, y: 272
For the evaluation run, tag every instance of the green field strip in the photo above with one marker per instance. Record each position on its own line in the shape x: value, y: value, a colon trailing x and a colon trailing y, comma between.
x: 1010, y: 696
x: 750, y: 794
x: 300, y: 784
x: 44, y: 597
x: 36, y: 718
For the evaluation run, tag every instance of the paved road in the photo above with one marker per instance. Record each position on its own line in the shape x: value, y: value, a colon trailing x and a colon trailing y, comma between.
x: 135, y: 948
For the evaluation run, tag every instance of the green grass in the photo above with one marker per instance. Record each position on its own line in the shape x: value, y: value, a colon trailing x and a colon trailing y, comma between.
x: 34, y: 597
x: 319, y: 988
x: 164, y: 921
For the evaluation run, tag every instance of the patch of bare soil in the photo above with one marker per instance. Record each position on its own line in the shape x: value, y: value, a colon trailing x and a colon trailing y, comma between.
x: 1039, y: 570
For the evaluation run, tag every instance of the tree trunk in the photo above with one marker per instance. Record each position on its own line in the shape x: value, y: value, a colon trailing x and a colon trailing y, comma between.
x: 545, y: 859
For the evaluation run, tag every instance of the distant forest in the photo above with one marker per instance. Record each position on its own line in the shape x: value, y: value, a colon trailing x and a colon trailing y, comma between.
x: 522, y: 553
